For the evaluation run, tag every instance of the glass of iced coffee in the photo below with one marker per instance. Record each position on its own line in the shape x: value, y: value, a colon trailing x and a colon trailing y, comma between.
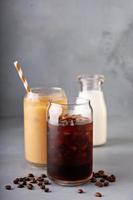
x: 70, y: 142
x: 35, y: 123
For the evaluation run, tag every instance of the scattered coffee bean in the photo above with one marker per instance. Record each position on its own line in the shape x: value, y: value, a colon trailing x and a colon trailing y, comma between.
x: 33, y: 180
x: 106, y: 183
x: 46, y: 182
x: 99, y: 178
x: 102, y: 180
x: 30, y: 175
x: 105, y: 176
x: 15, y: 181
x: 100, y: 172
x: 26, y: 178
x: 40, y: 178
x: 42, y: 187
x: 99, y: 184
x: 8, y: 187
x: 20, y: 179
x: 30, y: 179
x: 43, y: 175
x: 39, y: 183
x: 47, y: 190
x: 24, y: 183
x: 81, y: 191
x: 96, y: 175
x: 93, y: 180
x: 98, y: 194
x: 20, y: 185
x: 111, y: 178
x: 93, y: 174
x: 30, y: 187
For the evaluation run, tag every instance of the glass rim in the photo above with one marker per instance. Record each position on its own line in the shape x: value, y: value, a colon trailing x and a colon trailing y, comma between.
x: 42, y: 91
x: 55, y: 101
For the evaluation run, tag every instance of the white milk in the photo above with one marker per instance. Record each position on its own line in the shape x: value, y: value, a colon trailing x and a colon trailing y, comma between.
x: 99, y: 115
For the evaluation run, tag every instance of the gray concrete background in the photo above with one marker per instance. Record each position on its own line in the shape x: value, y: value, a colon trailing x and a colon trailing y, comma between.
x: 57, y: 40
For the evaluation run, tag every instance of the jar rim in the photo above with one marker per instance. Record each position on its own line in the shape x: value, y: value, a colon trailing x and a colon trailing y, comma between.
x: 70, y: 103
x: 44, y: 91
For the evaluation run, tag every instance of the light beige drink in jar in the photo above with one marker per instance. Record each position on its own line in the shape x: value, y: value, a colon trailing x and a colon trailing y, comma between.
x: 35, y: 123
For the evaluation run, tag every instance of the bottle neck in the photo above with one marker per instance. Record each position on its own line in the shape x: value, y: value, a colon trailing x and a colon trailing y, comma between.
x: 91, y: 82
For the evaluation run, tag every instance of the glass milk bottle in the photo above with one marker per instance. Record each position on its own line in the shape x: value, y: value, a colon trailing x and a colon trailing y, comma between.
x: 91, y: 90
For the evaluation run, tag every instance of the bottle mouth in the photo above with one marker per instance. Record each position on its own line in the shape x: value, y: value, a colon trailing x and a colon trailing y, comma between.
x: 88, y: 77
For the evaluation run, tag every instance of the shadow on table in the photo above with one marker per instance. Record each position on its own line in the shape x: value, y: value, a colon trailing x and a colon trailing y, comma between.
x: 120, y: 141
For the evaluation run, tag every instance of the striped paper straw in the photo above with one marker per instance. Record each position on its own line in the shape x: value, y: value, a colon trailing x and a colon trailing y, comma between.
x: 22, y: 77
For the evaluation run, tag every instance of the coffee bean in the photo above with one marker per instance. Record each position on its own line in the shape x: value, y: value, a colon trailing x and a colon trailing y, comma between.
x: 30, y: 175
x: 99, y: 184
x: 81, y: 191
x: 40, y: 178
x: 47, y: 190
x: 106, y: 183
x: 98, y: 194
x: 111, y: 179
x: 39, y: 183
x: 42, y: 187
x: 33, y: 180
x: 30, y: 187
x: 24, y: 183
x: 102, y: 180
x: 8, y: 187
x: 20, y: 185
x: 15, y: 181
x: 113, y: 176
x: 93, y: 174
x: 43, y: 175
x: 105, y: 176
x: 46, y: 182
x: 20, y: 179
x: 93, y: 180
x: 96, y: 175
x: 100, y: 172
x: 26, y: 178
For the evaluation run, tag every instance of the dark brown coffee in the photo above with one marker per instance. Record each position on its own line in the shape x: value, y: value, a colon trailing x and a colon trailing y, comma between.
x: 70, y: 148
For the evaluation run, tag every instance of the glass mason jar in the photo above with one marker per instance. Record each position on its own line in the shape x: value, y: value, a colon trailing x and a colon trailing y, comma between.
x: 91, y: 89
x: 35, y: 123
x: 70, y: 142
